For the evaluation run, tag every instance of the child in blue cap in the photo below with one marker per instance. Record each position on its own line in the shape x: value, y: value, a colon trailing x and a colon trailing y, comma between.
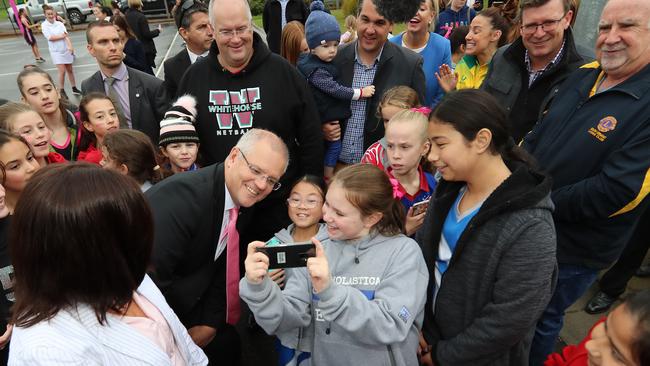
x: 333, y: 99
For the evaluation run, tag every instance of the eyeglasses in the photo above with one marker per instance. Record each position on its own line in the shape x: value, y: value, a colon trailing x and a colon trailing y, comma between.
x: 230, y: 33
x: 185, y: 7
x: 547, y: 26
x: 308, y: 203
x: 275, y: 185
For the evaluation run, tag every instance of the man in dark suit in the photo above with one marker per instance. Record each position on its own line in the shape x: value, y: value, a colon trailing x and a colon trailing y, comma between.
x: 141, y: 100
x: 191, y: 257
x: 194, y: 27
x: 274, y: 21
x: 371, y: 60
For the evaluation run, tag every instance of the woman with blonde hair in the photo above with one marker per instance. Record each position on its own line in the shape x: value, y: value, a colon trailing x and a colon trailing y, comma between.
x: 293, y: 42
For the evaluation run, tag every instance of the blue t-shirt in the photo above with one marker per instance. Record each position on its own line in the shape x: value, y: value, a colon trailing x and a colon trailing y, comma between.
x: 452, y: 229
x: 435, y: 53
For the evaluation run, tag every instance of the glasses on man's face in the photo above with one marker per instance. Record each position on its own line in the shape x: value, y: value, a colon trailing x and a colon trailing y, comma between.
x: 547, y: 26
x: 307, y: 203
x: 257, y: 172
x: 231, y: 33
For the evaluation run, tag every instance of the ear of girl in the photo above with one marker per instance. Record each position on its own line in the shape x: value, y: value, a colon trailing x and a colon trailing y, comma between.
x: 99, y: 117
x: 17, y: 164
x: 366, y: 257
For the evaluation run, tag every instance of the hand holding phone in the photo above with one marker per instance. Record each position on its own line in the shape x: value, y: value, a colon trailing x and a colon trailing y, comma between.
x: 420, y: 207
x: 287, y: 255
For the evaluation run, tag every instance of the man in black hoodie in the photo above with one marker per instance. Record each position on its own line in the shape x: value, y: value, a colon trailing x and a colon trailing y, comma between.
x: 242, y: 85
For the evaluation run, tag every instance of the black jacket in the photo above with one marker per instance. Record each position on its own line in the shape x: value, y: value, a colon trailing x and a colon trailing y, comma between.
x: 268, y: 93
x: 138, y: 22
x: 135, y: 56
x: 188, y: 212
x: 397, y: 66
x: 175, y: 68
x: 147, y: 100
x: 272, y: 19
x: 329, y: 107
x: 597, y: 150
x: 500, y: 277
x: 507, y: 80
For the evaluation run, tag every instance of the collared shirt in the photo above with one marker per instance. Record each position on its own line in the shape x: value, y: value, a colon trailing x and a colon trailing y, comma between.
x: 427, y: 186
x: 283, y: 5
x: 223, y: 239
x: 194, y: 56
x: 535, y: 74
x: 121, y: 86
x: 352, y: 150
x: 470, y: 73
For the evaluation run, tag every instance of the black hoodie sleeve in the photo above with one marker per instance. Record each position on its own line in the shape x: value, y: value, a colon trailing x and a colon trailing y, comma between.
x: 309, y: 135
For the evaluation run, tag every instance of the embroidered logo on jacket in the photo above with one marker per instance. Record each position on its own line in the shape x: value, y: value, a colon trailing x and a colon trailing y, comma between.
x: 239, y: 106
x: 604, y: 125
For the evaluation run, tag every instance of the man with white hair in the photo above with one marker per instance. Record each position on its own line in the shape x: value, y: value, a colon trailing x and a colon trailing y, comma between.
x: 242, y: 85
x: 595, y: 143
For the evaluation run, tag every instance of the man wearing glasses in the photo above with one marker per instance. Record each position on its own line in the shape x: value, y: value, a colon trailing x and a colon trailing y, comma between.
x: 594, y: 141
x: 242, y: 85
x: 196, y: 243
x: 526, y: 74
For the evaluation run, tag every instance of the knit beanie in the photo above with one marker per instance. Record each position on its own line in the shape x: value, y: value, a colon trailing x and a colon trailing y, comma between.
x: 320, y: 26
x: 178, y: 124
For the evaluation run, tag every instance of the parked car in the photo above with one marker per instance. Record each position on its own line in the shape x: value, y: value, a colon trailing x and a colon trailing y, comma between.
x: 77, y: 10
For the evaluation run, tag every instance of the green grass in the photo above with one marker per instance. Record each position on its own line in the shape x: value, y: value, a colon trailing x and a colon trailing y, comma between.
x: 340, y: 17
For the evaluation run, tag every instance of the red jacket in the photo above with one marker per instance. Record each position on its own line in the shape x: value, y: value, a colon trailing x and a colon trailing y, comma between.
x: 91, y: 155
x: 572, y: 355
x: 55, y: 157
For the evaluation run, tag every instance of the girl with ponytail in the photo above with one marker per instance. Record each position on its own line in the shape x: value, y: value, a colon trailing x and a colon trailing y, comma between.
x: 361, y: 296
x: 488, y: 238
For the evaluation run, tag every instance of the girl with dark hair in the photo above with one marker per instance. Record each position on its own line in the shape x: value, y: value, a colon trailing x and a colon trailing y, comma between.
x: 134, y: 55
x: 487, y: 32
x: 488, y: 238
x: 363, y: 292
x: 26, y: 21
x: 37, y: 89
x: 23, y: 120
x: 130, y: 152
x: 305, y: 205
x: 7, y: 270
x: 621, y: 338
x: 179, y: 142
x: 17, y: 164
x: 82, y: 293
x: 98, y: 117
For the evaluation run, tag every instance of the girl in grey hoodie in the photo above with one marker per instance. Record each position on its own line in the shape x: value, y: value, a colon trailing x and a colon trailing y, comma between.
x: 364, y: 291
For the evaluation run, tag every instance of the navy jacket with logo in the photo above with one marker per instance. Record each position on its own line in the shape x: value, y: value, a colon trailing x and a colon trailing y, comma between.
x: 597, y: 149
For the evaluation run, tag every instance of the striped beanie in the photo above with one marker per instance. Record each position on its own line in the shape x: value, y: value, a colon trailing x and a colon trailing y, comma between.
x: 178, y: 124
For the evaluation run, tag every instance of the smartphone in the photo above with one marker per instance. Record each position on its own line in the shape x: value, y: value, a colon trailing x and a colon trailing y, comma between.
x: 288, y: 255
x: 420, y: 207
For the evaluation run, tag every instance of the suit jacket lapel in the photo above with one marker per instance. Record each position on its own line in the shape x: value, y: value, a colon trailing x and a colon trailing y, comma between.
x: 135, y: 95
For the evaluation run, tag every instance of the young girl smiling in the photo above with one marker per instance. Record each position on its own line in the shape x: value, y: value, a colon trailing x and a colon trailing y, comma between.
x: 23, y: 120
x: 488, y: 238
x: 363, y: 292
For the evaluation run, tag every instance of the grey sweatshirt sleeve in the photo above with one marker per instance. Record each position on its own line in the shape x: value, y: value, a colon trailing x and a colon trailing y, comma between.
x: 276, y: 310
x: 398, y: 302
x: 522, y: 291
